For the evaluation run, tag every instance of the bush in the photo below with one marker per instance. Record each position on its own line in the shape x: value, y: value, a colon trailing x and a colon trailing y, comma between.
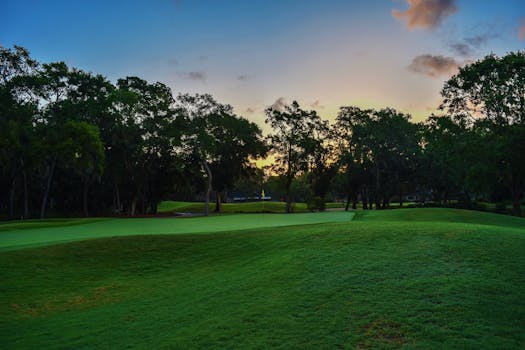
x: 316, y: 204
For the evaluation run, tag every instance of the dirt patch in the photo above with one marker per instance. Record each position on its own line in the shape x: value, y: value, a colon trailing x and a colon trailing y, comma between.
x: 94, y: 297
x: 382, y: 332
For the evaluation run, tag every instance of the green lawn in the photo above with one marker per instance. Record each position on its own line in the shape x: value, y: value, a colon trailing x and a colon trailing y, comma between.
x: 247, y: 207
x: 33, y: 233
x: 411, y: 279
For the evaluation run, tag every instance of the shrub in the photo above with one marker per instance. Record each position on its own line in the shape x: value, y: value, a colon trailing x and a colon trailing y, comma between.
x: 316, y: 204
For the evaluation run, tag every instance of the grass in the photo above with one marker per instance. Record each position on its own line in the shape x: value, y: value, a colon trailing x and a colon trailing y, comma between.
x: 36, y: 233
x: 246, y: 207
x: 411, y: 279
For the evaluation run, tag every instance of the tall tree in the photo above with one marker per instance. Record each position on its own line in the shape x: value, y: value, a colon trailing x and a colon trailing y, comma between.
x: 17, y: 139
x: 447, y: 156
x: 292, y: 142
x: 151, y: 130
x: 353, y: 154
x: 222, y: 142
x: 493, y: 89
x: 381, y: 147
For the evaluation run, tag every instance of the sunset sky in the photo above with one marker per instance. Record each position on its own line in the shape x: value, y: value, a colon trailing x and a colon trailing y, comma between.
x: 253, y: 53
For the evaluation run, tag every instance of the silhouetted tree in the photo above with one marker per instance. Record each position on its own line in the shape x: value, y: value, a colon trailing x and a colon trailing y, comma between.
x: 493, y: 89
x: 293, y: 141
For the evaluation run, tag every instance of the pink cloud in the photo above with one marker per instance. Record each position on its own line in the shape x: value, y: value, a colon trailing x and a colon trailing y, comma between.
x: 521, y: 30
x: 425, y: 14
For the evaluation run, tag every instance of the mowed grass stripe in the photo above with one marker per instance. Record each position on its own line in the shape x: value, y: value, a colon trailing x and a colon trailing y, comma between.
x: 17, y: 237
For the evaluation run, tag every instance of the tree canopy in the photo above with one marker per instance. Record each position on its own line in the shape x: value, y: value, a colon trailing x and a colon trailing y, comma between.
x: 75, y: 143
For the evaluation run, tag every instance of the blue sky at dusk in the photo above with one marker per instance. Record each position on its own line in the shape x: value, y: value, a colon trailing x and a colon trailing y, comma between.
x: 252, y: 53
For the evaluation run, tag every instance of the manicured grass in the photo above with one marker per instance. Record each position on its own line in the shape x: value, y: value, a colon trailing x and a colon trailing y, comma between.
x: 412, y: 279
x: 247, y: 207
x: 33, y: 233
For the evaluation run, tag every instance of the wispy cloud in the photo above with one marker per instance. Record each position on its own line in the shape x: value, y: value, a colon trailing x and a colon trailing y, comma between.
x: 243, y: 77
x: 461, y: 49
x: 316, y: 105
x: 250, y: 110
x: 193, y: 75
x: 433, y: 66
x: 426, y: 14
x: 279, y: 104
x: 521, y: 30
x: 471, y: 44
x: 173, y: 61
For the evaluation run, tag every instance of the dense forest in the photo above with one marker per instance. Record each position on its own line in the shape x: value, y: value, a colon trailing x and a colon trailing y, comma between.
x: 74, y: 143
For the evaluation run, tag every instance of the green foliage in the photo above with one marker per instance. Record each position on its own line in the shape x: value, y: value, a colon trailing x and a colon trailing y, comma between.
x: 72, y: 142
x: 492, y: 91
x: 223, y: 143
x: 378, y: 152
x: 297, y: 139
x: 316, y: 203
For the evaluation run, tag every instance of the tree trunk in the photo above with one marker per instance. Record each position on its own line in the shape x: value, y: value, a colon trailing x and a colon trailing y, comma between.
x: 217, y: 202
x: 347, y: 201
x: 154, y: 207
x: 516, y: 196
x: 85, y: 196
x: 208, y: 188
x: 12, y: 199
x: 378, y: 202
x: 377, y: 192
x: 133, y: 206
x: 143, y: 204
x: 516, y: 205
x: 26, y: 195
x: 117, y: 199
x: 288, y: 196
x: 51, y: 170
x: 365, y: 199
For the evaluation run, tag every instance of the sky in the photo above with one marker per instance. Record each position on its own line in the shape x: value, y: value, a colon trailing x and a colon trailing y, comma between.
x: 253, y: 53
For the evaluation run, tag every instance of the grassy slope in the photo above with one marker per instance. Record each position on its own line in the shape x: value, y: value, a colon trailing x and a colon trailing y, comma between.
x: 25, y: 234
x: 414, y: 278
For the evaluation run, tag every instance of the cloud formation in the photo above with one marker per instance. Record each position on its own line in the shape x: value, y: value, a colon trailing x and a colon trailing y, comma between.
x: 279, y: 104
x: 426, y: 14
x: 243, y: 77
x: 316, y: 104
x: 469, y: 45
x: 194, y: 75
x: 461, y: 49
x: 250, y: 110
x: 521, y: 30
x: 433, y: 66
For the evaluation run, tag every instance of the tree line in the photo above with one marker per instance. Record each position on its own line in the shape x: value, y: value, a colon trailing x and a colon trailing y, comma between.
x: 76, y: 143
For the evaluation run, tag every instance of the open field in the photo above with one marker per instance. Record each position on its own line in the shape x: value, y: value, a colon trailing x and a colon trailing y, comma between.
x: 412, y: 279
